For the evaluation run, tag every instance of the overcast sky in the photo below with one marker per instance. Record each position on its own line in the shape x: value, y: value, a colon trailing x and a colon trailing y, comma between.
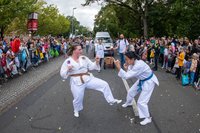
x: 85, y: 15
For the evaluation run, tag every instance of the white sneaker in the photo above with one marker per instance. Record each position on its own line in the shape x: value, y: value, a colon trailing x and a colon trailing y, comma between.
x: 23, y: 70
x: 115, y: 101
x: 118, y: 101
x: 126, y: 105
x: 76, y: 113
x: 145, y: 121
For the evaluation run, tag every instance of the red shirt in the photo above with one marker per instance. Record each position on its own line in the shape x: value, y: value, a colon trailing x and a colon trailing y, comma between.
x: 16, y: 45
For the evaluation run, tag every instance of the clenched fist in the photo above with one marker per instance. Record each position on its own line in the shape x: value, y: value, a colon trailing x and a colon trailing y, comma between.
x: 117, y: 64
x: 69, y: 67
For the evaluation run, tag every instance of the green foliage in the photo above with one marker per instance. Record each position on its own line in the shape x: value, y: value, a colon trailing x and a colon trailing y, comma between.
x: 51, y: 22
x: 17, y: 22
x: 15, y: 11
x: 78, y: 29
x: 117, y: 20
x: 164, y: 17
x: 14, y: 15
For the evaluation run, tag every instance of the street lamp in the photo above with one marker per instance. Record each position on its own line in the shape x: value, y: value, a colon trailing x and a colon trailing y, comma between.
x: 73, y: 21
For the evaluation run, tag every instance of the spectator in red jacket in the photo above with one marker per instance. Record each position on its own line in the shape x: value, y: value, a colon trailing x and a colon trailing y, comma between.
x: 15, y: 45
x: 15, y: 50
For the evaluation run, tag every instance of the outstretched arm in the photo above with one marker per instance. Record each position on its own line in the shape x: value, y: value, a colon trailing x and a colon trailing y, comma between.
x: 93, y: 65
x: 129, y: 71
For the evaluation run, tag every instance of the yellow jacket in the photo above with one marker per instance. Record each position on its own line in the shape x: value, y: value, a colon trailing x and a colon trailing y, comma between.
x: 181, y: 59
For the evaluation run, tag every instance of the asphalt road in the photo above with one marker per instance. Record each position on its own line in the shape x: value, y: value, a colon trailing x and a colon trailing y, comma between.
x: 48, y: 109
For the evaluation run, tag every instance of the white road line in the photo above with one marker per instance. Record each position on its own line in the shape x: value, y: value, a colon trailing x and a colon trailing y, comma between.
x: 134, y: 103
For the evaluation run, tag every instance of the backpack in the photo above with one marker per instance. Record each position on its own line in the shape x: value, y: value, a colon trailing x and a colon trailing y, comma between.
x: 23, y: 55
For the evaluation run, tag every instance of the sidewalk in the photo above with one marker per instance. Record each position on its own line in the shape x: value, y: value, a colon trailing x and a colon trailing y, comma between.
x: 17, y: 88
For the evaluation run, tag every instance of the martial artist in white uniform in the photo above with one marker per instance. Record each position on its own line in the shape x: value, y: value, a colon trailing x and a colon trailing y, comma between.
x: 100, y: 52
x: 77, y: 66
x: 144, y: 85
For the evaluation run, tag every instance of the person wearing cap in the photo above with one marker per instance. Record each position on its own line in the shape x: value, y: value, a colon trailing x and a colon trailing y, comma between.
x: 76, y: 67
x: 147, y: 80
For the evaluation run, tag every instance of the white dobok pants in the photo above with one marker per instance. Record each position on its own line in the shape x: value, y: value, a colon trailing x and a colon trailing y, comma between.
x: 145, y: 94
x: 94, y: 84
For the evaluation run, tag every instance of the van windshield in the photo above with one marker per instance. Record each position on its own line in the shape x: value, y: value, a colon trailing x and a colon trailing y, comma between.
x: 104, y: 39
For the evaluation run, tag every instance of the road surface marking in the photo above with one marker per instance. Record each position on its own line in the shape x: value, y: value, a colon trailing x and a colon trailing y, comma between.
x: 134, y: 103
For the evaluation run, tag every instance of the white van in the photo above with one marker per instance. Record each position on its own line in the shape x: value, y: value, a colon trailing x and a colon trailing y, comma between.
x: 106, y: 41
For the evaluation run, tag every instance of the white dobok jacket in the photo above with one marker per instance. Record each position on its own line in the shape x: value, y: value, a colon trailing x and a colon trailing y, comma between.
x: 83, y: 66
x: 139, y: 70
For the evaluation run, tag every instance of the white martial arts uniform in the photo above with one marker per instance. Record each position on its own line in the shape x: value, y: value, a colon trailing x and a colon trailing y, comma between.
x: 141, y: 71
x: 89, y: 81
x: 100, y: 50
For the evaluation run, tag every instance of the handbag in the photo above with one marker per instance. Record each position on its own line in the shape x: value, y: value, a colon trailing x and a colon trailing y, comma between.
x: 176, y: 63
x: 56, y: 53
x: 41, y: 55
x: 52, y: 53
x: 23, y: 55
x: 185, y: 79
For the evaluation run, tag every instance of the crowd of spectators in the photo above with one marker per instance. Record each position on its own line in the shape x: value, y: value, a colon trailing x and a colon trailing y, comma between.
x: 180, y: 57
x: 20, y: 53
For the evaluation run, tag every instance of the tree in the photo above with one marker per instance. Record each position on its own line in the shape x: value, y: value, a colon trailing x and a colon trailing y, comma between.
x: 154, y: 17
x: 116, y: 20
x: 10, y: 9
x: 51, y: 22
x: 14, y: 15
x: 185, y: 15
x: 78, y: 29
x: 134, y: 6
x: 103, y: 21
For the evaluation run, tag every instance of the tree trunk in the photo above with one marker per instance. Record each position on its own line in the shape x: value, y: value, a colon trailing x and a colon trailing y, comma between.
x: 145, y: 21
x: 145, y: 27
x: 1, y: 32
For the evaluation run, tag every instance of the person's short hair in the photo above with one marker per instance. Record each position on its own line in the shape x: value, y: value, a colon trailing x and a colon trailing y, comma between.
x: 132, y: 55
